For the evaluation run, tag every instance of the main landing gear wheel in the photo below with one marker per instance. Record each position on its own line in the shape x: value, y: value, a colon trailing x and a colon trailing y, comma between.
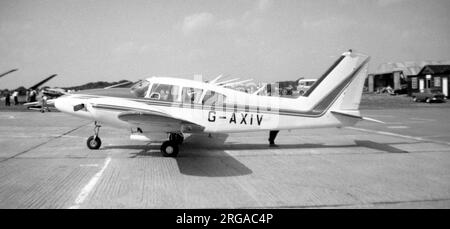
x: 94, y: 142
x: 169, y: 149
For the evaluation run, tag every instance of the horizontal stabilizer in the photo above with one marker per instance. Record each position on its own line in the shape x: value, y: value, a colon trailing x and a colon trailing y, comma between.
x: 350, y: 115
x: 373, y: 120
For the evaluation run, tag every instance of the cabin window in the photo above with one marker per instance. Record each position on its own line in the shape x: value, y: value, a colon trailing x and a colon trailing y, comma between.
x: 164, y: 92
x: 191, y: 95
x: 213, y: 98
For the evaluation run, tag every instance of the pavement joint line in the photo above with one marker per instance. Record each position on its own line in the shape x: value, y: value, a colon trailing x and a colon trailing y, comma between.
x: 398, y: 135
x: 398, y: 127
x: 43, y: 143
x: 90, y: 186
x: 362, y: 204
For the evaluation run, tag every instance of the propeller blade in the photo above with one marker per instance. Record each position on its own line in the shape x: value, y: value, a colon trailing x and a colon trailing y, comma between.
x: 10, y: 71
x: 34, y: 87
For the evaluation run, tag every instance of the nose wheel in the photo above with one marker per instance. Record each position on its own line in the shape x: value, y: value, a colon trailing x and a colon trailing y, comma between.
x: 94, y: 142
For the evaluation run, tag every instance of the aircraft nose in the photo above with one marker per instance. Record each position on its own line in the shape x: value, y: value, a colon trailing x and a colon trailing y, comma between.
x: 64, y: 105
x: 73, y: 106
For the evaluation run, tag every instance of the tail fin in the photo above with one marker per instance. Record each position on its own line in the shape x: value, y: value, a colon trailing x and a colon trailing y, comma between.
x: 341, y: 86
x: 346, y: 106
x: 337, y: 78
x: 350, y: 98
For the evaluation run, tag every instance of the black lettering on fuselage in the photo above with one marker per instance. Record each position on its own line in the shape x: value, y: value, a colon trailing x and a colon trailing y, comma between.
x: 259, y: 119
x: 243, y: 120
x: 233, y: 118
x: 212, y: 116
x: 246, y: 119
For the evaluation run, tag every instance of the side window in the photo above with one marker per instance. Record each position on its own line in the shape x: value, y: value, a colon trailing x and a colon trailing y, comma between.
x: 191, y: 95
x: 213, y: 98
x: 164, y: 92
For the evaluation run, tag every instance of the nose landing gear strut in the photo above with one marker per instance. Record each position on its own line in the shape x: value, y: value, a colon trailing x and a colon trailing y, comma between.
x: 94, y: 142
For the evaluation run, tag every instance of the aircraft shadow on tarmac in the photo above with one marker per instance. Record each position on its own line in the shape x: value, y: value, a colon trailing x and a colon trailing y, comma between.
x: 206, y: 156
x: 194, y: 159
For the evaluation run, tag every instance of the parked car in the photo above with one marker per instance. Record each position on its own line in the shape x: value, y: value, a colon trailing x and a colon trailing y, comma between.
x: 428, y: 96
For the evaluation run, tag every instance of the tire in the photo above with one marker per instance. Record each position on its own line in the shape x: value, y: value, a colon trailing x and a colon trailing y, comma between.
x: 93, y: 142
x: 169, y: 149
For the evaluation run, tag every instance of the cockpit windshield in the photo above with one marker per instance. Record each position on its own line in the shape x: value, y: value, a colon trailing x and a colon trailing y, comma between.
x: 140, y: 88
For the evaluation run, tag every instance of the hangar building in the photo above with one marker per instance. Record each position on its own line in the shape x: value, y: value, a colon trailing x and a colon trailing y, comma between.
x: 396, y: 75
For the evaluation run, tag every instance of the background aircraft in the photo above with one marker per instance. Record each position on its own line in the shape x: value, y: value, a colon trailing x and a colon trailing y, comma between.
x: 47, y: 95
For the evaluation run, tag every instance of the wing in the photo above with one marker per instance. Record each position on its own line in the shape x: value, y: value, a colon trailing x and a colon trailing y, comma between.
x: 155, y: 121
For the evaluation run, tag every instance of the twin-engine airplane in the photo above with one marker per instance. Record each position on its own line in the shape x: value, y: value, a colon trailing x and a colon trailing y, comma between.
x: 161, y: 108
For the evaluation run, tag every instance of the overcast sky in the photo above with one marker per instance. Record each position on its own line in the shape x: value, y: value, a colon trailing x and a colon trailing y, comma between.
x: 267, y: 40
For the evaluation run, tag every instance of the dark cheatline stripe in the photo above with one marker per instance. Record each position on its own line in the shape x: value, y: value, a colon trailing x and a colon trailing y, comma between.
x: 316, y: 84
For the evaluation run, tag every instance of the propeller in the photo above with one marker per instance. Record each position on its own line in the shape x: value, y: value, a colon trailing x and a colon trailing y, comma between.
x: 36, y: 86
x: 10, y: 71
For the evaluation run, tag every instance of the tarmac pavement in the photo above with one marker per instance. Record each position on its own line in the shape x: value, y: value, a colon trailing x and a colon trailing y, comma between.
x: 44, y: 163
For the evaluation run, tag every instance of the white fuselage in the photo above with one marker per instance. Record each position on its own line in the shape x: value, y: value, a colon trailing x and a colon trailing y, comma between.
x: 242, y: 112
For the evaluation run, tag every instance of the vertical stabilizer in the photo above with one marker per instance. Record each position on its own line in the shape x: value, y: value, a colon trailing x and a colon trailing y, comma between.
x: 351, y: 97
